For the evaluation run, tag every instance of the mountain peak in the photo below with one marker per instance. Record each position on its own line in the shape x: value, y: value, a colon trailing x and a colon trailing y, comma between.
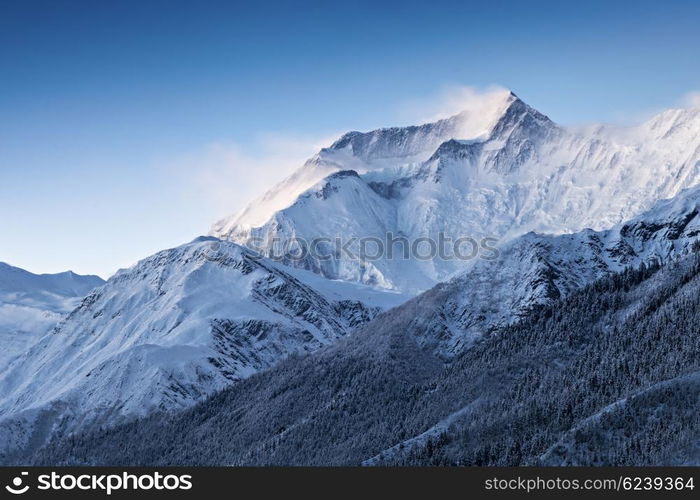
x: 480, y: 115
x: 499, y: 168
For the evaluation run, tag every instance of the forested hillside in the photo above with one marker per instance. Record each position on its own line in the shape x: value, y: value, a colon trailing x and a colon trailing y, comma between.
x: 604, y: 376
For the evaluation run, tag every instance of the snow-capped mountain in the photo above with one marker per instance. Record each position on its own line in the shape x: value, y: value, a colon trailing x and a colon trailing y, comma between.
x: 30, y: 304
x: 185, y: 322
x: 188, y: 321
x: 536, y: 269
x: 500, y: 172
x: 605, y: 376
x: 176, y: 327
x: 386, y: 148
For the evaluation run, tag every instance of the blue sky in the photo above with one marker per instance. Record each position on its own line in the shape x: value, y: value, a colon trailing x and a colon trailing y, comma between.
x: 127, y: 127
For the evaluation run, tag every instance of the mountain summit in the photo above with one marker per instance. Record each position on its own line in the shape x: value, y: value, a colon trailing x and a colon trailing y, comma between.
x: 496, y: 170
x: 371, y: 151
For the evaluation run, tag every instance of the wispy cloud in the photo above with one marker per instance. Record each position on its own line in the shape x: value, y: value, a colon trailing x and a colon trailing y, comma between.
x: 691, y: 99
x: 226, y: 176
x: 450, y: 100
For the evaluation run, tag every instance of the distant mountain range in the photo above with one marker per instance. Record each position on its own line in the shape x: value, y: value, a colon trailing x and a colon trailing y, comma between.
x: 30, y: 304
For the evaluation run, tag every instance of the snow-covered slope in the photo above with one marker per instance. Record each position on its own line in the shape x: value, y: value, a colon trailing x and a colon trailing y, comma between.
x: 387, y: 148
x: 30, y: 304
x: 536, y: 269
x: 174, y: 328
x: 511, y: 172
x: 376, y: 398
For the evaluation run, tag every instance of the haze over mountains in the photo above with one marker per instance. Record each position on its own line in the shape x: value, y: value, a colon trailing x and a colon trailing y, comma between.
x: 188, y: 322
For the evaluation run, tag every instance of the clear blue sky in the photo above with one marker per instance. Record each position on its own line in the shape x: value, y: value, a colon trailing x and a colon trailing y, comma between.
x: 115, y: 117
